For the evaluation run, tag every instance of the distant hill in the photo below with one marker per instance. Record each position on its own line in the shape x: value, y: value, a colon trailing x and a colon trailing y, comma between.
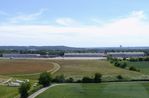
x: 38, y: 48
x: 68, y: 48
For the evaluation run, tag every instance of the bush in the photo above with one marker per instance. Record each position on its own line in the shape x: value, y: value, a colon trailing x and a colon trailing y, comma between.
x: 117, y: 64
x: 123, y: 65
x: 24, y: 88
x: 124, y: 59
x: 79, y: 81
x: 70, y: 80
x: 146, y: 59
x: 111, y: 62
x: 132, y: 68
x: 119, y: 77
x: 133, y: 60
x: 141, y: 59
x: 59, y: 79
x: 87, y: 80
x: 97, y: 78
x: 45, y: 79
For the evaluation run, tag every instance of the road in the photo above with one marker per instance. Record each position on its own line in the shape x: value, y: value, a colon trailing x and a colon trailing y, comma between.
x: 42, y: 90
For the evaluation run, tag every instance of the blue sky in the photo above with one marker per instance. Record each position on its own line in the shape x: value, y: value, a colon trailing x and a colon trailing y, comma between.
x: 77, y: 23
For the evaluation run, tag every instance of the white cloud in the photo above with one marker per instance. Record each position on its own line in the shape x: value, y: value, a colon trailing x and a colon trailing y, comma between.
x: 26, y: 17
x: 66, y: 21
x: 128, y: 31
x: 138, y: 14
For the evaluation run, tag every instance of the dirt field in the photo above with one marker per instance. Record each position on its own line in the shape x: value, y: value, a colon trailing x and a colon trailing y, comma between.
x: 24, y: 66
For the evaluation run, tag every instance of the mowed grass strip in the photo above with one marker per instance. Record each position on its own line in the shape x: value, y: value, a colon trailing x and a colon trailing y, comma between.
x: 8, y: 92
x: 106, y: 90
x: 15, y: 66
x: 80, y: 68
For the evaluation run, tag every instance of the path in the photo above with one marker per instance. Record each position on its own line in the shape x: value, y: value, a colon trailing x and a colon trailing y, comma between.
x: 56, y: 68
x: 52, y: 71
x: 42, y: 90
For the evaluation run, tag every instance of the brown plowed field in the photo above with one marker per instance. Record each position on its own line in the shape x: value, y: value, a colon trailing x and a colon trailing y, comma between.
x: 24, y: 66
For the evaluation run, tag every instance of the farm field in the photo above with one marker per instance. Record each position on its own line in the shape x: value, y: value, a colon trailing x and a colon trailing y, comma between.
x: 69, y: 68
x: 8, y: 92
x: 143, y: 66
x: 80, y: 68
x: 104, y: 90
x: 9, y: 67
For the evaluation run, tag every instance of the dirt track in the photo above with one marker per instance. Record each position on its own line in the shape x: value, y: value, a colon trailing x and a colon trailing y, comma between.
x: 52, y: 71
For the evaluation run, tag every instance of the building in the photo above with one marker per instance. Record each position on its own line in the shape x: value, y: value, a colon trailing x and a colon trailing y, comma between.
x: 84, y: 55
x: 21, y: 55
x: 126, y: 54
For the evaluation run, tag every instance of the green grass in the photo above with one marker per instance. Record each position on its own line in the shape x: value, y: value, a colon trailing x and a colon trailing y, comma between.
x: 8, y: 92
x: 106, y: 90
x: 80, y: 68
x: 142, y: 66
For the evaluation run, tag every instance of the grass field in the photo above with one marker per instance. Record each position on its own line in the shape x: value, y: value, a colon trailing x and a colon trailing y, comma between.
x: 142, y: 66
x: 69, y: 68
x: 106, y: 90
x: 80, y: 68
x: 8, y: 92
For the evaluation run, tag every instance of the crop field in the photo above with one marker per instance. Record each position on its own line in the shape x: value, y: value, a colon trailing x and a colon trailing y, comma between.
x: 8, y: 92
x: 142, y: 66
x: 104, y: 90
x: 9, y: 67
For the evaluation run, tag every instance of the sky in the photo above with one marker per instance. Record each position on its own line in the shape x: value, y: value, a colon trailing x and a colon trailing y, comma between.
x: 75, y: 23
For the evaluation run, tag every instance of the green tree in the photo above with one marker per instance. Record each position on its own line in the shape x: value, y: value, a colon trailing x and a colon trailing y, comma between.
x: 132, y: 68
x: 87, y: 80
x: 119, y: 77
x: 123, y: 65
x: 45, y: 79
x: 70, y: 80
x: 97, y: 78
x: 23, y: 89
x: 59, y: 79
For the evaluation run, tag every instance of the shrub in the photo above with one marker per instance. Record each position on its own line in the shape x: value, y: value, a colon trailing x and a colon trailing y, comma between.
x: 45, y: 79
x: 117, y: 64
x: 119, y: 77
x: 59, y: 79
x: 146, y: 59
x: 141, y: 59
x: 123, y: 65
x: 97, y: 78
x: 133, y: 60
x: 70, y: 80
x: 124, y: 59
x: 24, y: 88
x: 87, y: 80
x: 132, y: 68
